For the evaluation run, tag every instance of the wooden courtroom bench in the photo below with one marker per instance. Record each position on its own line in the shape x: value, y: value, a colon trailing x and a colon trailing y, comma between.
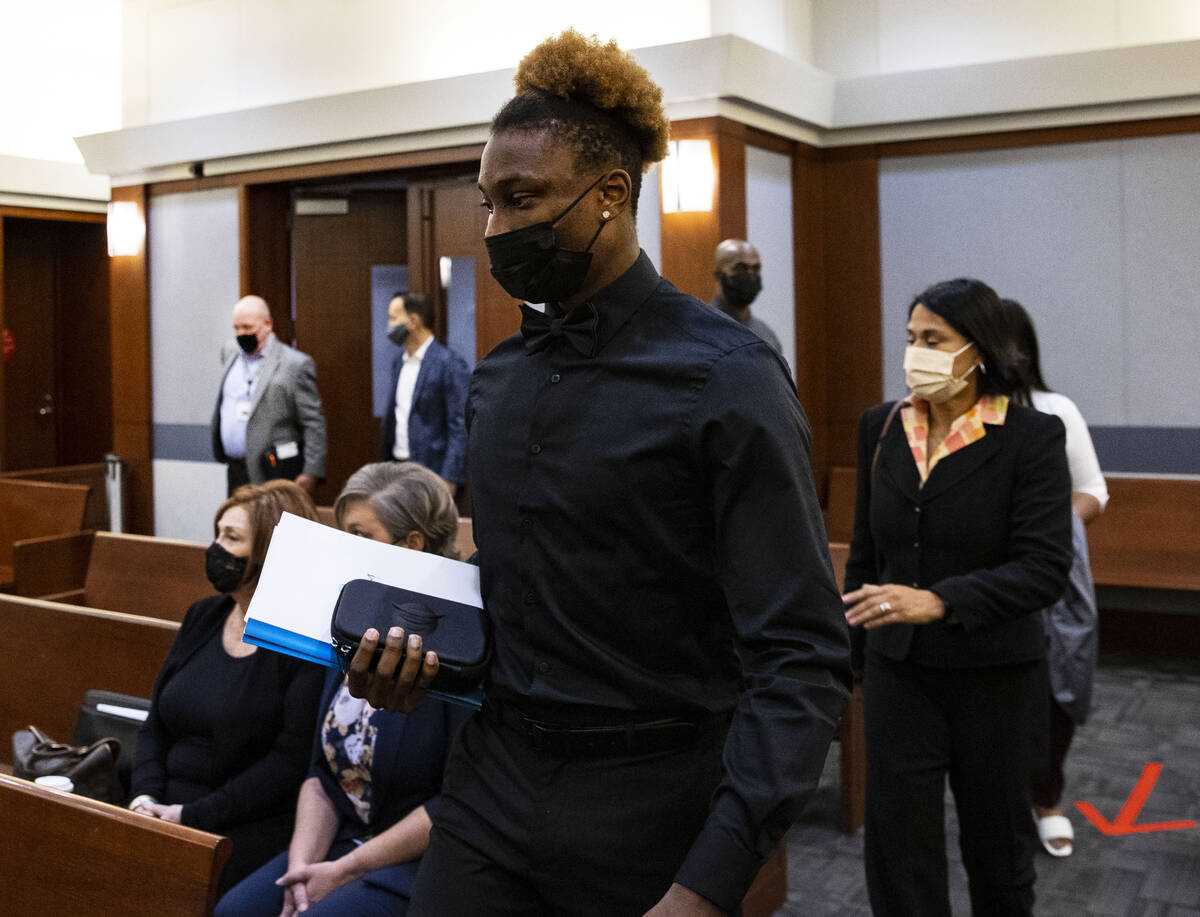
x: 93, y: 475
x: 55, y: 653
x: 1148, y: 537
x: 65, y: 854
x: 31, y: 509
x: 135, y: 574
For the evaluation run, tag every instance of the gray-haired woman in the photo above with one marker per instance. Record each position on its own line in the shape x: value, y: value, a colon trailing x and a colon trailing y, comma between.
x: 364, y: 812
x: 401, y: 503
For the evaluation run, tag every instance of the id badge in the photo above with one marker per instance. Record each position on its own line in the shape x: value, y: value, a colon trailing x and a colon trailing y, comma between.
x: 242, y: 411
x: 287, y: 450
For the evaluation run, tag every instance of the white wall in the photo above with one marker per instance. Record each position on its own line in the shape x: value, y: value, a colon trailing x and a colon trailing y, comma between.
x: 1098, y: 241
x: 859, y: 37
x: 194, y: 57
x: 193, y: 246
x: 60, y: 75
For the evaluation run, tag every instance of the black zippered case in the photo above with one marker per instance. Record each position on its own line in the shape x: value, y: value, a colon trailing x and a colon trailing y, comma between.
x: 458, y: 633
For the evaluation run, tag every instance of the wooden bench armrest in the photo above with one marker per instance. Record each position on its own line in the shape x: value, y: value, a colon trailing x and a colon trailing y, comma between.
x: 77, y: 855
x: 70, y: 597
x: 52, y: 563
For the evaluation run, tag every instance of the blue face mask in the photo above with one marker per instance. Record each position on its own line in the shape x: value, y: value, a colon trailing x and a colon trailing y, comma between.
x: 530, y: 266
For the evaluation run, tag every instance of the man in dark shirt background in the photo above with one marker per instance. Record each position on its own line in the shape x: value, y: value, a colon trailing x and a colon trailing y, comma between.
x: 739, y: 281
x: 670, y: 654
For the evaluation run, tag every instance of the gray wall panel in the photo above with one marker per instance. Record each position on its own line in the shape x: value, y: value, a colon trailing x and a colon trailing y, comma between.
x: 193, y: 286
x: 1042, y: 226
x: 1161, y: 179
x: 769, y: 228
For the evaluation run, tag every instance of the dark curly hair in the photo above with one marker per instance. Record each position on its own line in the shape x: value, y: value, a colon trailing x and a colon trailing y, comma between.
x: 595, y: 97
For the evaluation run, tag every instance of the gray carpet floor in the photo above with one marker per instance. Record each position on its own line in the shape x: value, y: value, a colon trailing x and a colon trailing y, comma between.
x: 1144, y: 710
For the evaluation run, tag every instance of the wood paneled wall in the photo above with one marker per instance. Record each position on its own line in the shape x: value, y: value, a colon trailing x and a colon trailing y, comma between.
x: 689, y: 240
x: 133, y: 429
x: 264, y: 253
x: 836, y: 239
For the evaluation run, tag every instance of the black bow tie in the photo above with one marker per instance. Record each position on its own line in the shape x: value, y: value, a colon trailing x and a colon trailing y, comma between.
x: 578, y: 327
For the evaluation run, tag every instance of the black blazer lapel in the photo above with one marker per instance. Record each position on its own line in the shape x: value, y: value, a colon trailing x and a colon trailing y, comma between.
x: 897, y: 464
x: 963, y: 463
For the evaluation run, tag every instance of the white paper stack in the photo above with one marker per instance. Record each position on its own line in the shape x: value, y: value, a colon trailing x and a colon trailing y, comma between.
x: 308, y: 563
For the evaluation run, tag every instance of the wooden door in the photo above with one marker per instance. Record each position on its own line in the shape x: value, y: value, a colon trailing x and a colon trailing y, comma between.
x: 447, y: 221
x: 57, y: 400
x: 332, y: 256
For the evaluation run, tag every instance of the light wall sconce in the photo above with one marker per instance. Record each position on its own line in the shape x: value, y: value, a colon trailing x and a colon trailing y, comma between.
x: 126, y: 229
x: 688, y: 176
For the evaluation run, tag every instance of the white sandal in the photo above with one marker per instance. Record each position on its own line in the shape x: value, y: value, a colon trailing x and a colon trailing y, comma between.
x: 1055, y: 828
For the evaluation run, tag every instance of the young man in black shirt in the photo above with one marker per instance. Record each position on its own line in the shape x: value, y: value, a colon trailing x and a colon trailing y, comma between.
x: 670, y: 653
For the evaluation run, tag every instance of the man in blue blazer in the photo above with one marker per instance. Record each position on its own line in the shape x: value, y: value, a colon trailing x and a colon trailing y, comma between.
x: 424, y: 421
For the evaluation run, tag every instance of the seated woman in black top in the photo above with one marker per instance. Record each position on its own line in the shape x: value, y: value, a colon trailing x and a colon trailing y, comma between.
x: 226, y: 742
x: 363, y: 816
x: 962, y: 534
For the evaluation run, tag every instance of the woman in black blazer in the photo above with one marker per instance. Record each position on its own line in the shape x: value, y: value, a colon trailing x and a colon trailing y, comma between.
x: 962, y: 533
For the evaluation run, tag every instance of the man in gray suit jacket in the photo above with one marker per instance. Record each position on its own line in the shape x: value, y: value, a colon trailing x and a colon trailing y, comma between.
x: 268, y: 421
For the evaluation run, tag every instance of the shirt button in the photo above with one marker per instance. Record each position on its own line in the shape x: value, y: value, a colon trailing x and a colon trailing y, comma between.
x: 526, y: 523
x: 916, y: 544
x: 535, y: 448
x: 916, y: 509
x: 530, y: 598
x: 916, y: 585
x: 544, y: 668
x: 556, y: 378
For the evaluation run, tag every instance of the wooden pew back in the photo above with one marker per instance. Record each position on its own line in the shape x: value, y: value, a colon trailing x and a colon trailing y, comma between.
x: 1147, y: 536
x: 71, y: 855
x: 143, y: 575
x: 29, y: 509
x: 465, y: 540
x: 57, y: 652
x: 93, y: 475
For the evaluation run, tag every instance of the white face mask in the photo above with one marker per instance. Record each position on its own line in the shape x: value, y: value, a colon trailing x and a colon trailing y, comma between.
x: 930, y: 373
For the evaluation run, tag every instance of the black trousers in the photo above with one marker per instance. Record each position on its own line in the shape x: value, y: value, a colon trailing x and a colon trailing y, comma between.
x: 978, y: 727
x: 526, y: 832
x: 236, y: 475
x: 1048, y: 780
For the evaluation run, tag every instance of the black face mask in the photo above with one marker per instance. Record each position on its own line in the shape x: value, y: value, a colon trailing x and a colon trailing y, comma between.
x: 398, y: 334
x: 530, y: 266
x: 740, y: 289
x: 248, y: 342
x: 223, y: 570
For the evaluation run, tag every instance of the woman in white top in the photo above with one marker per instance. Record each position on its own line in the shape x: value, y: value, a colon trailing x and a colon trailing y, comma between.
x: 1071, y: 622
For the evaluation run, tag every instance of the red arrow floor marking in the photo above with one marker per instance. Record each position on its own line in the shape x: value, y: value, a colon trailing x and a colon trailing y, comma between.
x: 1124, y: 823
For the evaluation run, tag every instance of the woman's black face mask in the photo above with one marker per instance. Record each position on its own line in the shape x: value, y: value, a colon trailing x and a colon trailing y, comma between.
x: 225, y: 571
x: 530, y: 266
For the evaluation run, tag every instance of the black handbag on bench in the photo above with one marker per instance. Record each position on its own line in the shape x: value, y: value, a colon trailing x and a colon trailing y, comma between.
x: 92, y: 768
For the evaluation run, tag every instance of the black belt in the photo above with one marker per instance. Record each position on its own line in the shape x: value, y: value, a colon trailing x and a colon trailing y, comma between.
x: 630, y: 738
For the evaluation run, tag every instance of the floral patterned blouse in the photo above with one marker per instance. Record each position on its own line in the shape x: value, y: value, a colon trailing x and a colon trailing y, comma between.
x: 348, y: 735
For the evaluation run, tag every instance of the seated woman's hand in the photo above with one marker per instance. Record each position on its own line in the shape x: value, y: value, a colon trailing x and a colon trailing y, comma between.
x: 305, y: 885
x: 403, y: 675
x: 159, y: 810
x: 874, y: 606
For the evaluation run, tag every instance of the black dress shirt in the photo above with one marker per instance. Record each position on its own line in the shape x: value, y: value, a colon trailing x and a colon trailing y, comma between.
x: 651, y: 544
